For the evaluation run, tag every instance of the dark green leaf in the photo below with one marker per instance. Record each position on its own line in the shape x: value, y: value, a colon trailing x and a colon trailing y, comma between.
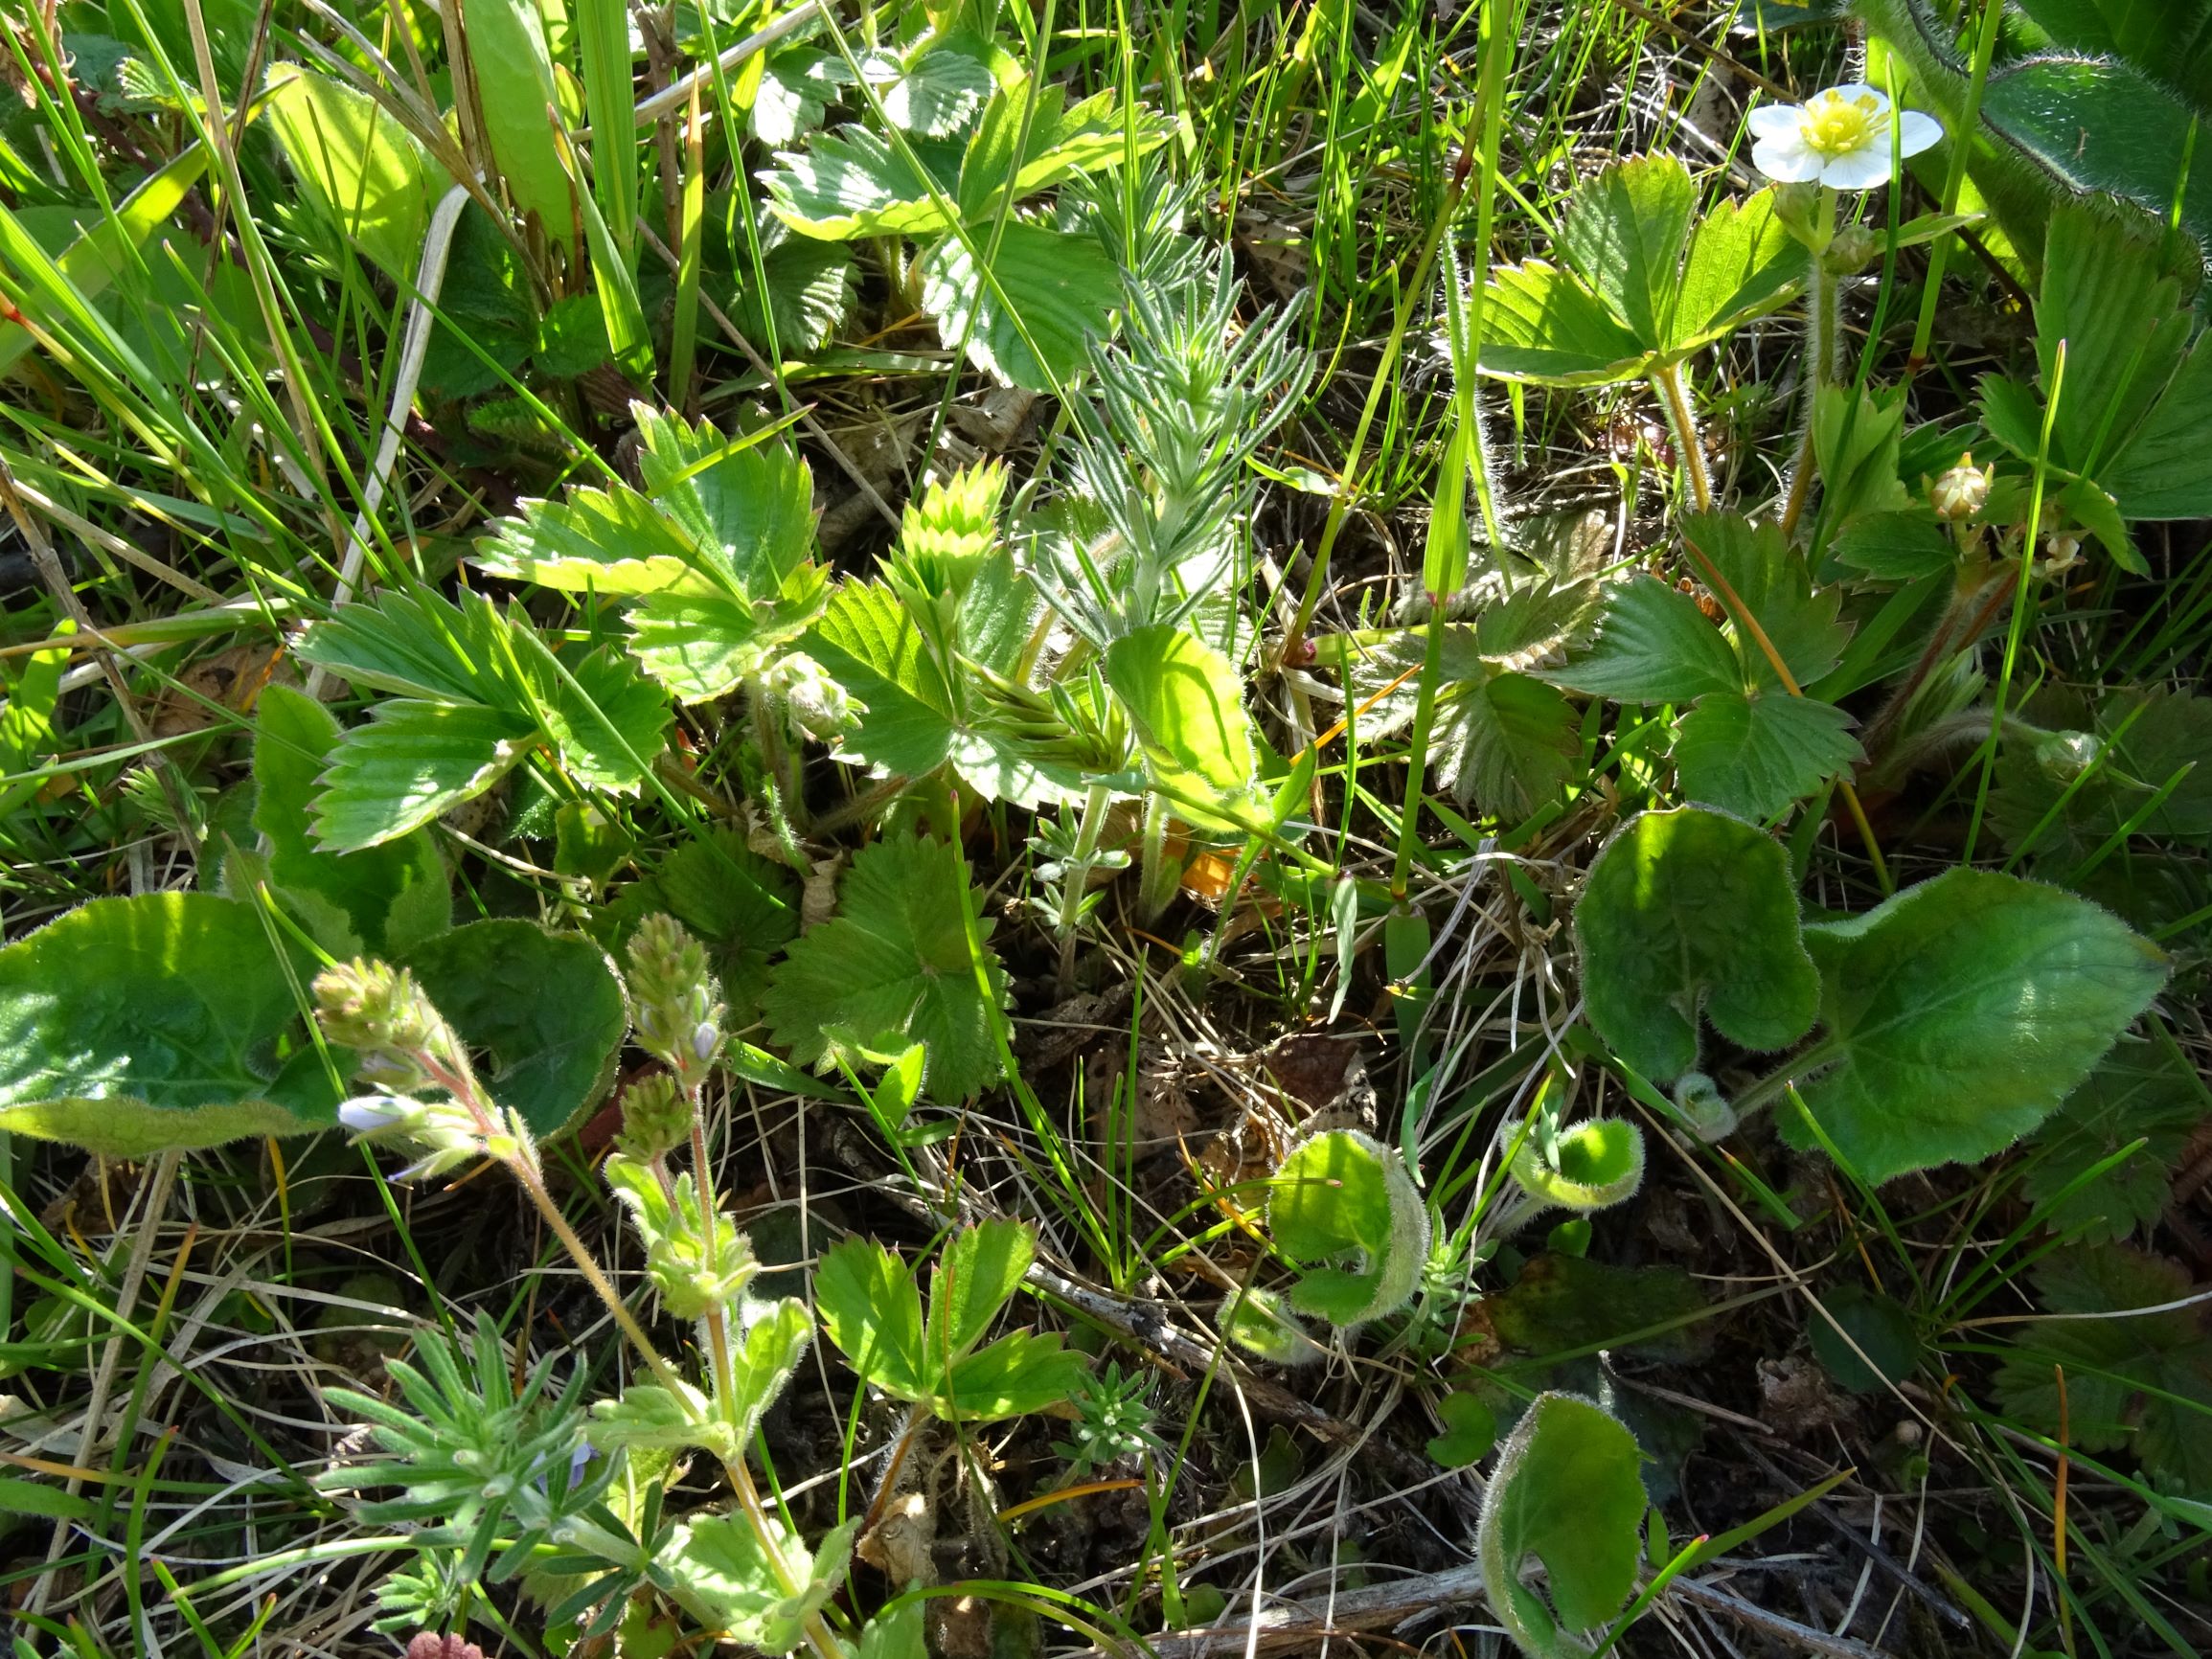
x: 1756, y: 755
x: 895, y: 967
x: 546, y: 1008
x: 1959, y: 1013
x: 1652, y: 646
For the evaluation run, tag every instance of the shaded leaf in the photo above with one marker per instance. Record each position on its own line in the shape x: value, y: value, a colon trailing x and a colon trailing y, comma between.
x: 1685, y: 915
x: 1959, y: 1013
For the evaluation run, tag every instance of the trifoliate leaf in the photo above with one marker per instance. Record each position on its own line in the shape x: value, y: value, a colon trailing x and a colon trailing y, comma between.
x: 1754, y: 756
x: 1959, y: 1013
x: 912, y: 718
x: 2142, y: 1381
x: 131, y: 1026
x: 2140, y: 1092
x: 1688, y: 914
x: 1054, y: 292
x: 893, y: 966
x: 872, y: 1308
x: 703, y: 648
x: 377, y: 901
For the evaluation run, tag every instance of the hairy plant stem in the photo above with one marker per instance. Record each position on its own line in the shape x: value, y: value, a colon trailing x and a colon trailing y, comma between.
x: 1682, y: 424
x: 1823, y: 301
x: 1156, y: 880
x: 1077, y: 881
x: 522, y: 1163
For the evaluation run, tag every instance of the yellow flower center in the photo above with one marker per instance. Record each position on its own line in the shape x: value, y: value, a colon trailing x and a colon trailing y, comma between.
x: 1834, y: 124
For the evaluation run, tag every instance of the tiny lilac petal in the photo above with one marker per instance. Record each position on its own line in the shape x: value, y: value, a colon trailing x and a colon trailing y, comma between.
x: 1860, y: 169
x: 1785, y: 161
x: 1775, y: 120
x: 703, y: 1041
x: 1916, y: 132
x: 368, y: 1114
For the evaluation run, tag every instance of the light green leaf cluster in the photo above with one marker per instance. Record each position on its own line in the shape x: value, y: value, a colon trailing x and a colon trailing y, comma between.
x: 1640, y: 290
x: 872, y: 1308
x: 475, y: 689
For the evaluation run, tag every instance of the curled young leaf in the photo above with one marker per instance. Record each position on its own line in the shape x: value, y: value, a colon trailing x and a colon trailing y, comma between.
x: 1345, y: 1209
x: 1567, y: 1489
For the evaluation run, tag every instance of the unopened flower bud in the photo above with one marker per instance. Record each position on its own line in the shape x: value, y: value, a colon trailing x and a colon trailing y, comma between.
x: 817, y: 704
x: 1850, y: 251
x: 655, y: 1119
x: 1961, y: 493
x: 374, y: 1114
x: 2066, y: 755
x: 678, y: 1003
x: 370, y: 1005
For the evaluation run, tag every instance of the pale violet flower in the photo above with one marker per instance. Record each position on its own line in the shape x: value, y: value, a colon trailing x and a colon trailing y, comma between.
x: 1839, y: 138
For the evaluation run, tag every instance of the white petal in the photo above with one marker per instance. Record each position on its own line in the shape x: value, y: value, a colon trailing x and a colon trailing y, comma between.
x: 1852, y: 91
x: 1775, y: 120
x: 1917, y: 132
x: 1785, y: 160
x: 1860, y: 169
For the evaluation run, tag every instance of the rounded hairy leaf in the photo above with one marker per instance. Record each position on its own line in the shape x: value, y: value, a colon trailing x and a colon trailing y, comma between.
x: 545, y: 1006
x: 1960, y: 1012
x: 1568, y: 1490
x: 131, y: 1026
x: 1345, y: 1209
x: 1187, y: 702
x: 1688, y: 912
x: 1596, y: 1163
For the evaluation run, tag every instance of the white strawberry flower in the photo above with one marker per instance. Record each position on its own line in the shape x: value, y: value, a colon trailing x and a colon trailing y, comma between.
x: 1839, y: 138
